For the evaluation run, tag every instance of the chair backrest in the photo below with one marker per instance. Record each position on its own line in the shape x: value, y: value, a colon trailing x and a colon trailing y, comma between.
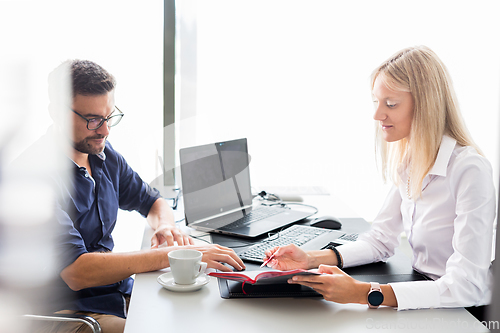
x: 93, y: 324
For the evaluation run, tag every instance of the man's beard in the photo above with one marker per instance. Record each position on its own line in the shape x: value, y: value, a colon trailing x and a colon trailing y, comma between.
x: 85, y: 147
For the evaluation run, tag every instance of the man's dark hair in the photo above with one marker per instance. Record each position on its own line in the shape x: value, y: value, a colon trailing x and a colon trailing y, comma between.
x: 88, y: 78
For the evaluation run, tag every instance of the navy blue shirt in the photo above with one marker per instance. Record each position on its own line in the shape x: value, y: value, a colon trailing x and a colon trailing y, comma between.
x: 87, y: 213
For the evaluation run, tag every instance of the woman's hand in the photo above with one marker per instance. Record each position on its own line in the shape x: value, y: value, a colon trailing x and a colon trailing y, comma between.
x: 287, y: 258
x: 335, y: 285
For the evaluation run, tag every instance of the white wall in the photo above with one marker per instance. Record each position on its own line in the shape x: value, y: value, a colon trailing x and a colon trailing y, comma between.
x: 293, y: 77
x: 125, y: 37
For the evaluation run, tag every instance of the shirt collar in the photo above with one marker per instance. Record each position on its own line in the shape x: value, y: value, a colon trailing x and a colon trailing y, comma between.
x: 102, y: 155
x: 443, y: 157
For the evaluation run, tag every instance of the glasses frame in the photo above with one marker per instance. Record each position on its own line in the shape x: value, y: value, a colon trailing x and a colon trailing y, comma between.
x: 103, y: 120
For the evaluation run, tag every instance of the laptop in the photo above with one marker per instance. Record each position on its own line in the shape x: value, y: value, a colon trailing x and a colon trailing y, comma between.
x: 217, y: 192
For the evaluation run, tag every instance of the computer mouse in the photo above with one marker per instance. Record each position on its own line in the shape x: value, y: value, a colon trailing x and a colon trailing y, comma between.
x: 327, y: 222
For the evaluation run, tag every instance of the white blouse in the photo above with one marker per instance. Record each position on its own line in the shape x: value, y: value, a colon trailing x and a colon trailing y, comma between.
x: 449, y: 228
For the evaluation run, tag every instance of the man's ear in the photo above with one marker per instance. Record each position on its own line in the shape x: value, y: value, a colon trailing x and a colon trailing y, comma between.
x: 53, y: 112
x: 61, y: 116
x: 57, y: 114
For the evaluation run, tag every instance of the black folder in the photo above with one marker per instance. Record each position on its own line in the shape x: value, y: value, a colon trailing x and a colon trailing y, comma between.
x: 396, y: 269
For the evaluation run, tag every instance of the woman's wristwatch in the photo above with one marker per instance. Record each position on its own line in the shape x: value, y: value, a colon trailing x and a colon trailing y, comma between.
x: 375, y: 296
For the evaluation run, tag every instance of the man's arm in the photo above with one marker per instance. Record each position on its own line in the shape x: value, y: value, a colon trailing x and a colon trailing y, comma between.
x: 161, y: 219
x: 100, y: 269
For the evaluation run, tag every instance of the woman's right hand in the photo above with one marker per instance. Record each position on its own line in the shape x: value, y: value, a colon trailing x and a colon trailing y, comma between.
x: 287, y: 258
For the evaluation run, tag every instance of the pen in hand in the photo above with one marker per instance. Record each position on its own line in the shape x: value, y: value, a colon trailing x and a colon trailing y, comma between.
x: 269, y: 259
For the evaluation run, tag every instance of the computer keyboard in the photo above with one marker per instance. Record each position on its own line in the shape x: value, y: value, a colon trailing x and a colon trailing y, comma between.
x: 296, y: 234
x: 253, y: 216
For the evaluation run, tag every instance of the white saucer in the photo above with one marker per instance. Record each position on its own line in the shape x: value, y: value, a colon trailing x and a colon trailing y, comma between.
x: 167, y: 281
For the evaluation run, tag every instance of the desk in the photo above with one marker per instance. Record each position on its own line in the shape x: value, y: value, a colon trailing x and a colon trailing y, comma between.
x: 155, y: 309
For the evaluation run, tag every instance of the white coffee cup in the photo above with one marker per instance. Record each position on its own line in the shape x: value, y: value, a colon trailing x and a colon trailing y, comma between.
x: 186, y: 265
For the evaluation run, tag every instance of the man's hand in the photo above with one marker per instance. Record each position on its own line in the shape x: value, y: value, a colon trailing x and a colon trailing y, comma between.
x: 169, y: 234
x: 161, y: 219
x: 216, y: 255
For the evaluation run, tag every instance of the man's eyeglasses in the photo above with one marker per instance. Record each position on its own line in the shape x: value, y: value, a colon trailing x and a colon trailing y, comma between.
x: 95, y: 123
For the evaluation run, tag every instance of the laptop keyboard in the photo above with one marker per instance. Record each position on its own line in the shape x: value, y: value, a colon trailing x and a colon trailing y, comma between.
x: 253, y: 216
x: 296, y: 234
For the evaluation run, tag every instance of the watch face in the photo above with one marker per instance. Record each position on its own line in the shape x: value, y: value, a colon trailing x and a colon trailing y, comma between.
x: 375, y: 298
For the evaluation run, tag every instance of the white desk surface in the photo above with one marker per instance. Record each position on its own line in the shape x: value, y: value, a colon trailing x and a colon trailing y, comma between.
x: 155, y: 309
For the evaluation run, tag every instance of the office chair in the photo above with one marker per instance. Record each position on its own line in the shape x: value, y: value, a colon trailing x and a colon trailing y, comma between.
x: 91, y: 322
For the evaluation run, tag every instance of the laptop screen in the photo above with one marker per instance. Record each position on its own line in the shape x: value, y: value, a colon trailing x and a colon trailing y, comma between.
x: 215, y: 179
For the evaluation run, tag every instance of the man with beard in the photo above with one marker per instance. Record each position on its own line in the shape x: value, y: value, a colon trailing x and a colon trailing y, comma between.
x: 100, y: 183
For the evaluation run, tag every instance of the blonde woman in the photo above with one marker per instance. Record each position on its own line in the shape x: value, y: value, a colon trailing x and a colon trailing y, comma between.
x: 443, y: 198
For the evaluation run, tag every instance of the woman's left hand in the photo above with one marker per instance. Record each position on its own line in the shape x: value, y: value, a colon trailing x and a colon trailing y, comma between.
x: 334, y: 285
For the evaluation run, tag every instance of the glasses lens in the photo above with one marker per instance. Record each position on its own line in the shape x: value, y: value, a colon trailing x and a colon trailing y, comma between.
x: 95, y: 123
x: 114, y: 120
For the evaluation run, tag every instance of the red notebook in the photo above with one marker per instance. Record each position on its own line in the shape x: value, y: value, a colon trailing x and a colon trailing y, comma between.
x: 262, y: 277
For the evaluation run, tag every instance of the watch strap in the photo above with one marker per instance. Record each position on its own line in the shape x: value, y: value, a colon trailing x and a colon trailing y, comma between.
x: 374, y: 288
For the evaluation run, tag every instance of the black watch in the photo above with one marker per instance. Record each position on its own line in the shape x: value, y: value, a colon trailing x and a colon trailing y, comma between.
x: 375, y: 296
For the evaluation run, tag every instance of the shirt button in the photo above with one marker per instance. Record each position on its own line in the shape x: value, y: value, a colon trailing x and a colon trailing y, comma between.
x: 86, y: 175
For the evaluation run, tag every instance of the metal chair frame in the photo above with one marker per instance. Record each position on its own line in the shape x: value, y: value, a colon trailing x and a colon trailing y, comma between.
x: 91, y: 322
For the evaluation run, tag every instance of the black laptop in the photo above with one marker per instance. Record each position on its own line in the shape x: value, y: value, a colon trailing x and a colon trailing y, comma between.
x: 217, y: 192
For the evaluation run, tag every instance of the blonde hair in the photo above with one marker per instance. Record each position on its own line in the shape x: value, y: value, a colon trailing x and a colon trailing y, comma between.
x: 418, y: 70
